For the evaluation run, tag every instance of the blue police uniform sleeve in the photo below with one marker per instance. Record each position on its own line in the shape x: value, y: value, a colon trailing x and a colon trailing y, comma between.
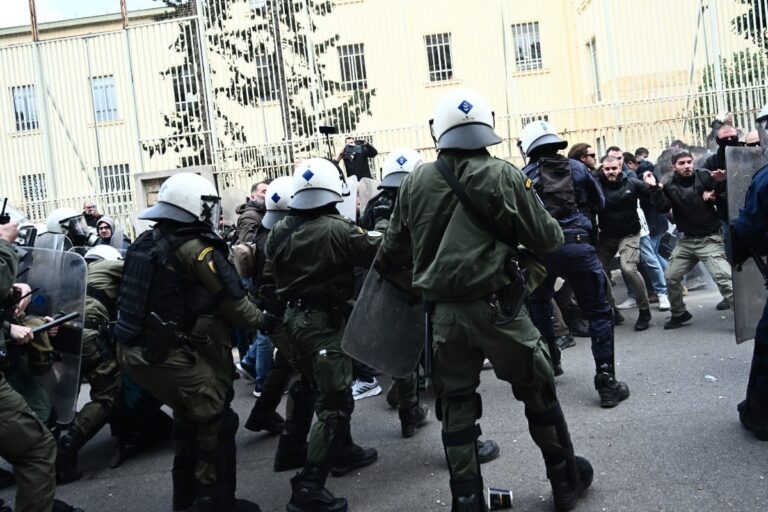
x: 751, y: 226
x: 582, y: 178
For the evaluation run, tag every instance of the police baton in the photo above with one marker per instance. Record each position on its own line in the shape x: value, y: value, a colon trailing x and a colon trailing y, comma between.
x: 55, y: 323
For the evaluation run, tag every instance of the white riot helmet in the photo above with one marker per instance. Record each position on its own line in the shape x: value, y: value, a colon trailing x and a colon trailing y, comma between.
x: 60, y: 218
x: 102, y: 252
x: 278, y: 196
x: 397, y: 165
x: 463, y: 120
x: 186, y: 197
x: 316, y: 183
x: 539, y: 133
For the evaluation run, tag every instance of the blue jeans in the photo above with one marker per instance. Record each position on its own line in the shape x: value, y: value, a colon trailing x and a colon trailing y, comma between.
x: 650, y: 260
x: 656, y: 244
x: 260, y: 356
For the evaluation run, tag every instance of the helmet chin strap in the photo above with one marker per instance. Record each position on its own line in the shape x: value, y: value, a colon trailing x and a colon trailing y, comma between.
x: 522, y: 153
x: 432, y: 131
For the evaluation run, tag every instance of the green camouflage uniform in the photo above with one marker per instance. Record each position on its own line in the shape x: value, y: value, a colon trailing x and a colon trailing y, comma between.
x: 458, y: 266
x: 24, y: 441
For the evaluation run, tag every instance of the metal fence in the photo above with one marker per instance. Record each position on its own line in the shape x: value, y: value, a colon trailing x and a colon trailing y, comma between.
x: 245, y: 85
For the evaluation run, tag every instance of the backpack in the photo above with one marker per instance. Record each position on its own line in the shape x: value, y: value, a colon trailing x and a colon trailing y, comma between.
x: 245, y: 258
x: 555, y: 187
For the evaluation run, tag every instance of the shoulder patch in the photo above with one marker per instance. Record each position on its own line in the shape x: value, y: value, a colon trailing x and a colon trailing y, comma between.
x: 360, y: 230
x: 528, y: 184
x: 212, y: 266
x: 205, y: 252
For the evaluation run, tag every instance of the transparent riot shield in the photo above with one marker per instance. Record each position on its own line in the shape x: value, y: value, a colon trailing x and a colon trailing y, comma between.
x: 58, y: 280
x: 386, y: 327
x: 52, y: 241
x: 348, y: 207
x: 231, y: 198
x: 749, y: 292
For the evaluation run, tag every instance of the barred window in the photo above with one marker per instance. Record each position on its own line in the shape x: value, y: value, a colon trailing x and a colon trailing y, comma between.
x: 257, y: 4
x: 266, y: 77
x: 592, y: 50
x: 185, y: 89
x: 526, y: 120
x: 352, y: 64
x: 25, y: 108
x: 34, y: 190
x: 115, y: 188
x: 439, y: 56
x: 527, y: 46
x: 104, y: 98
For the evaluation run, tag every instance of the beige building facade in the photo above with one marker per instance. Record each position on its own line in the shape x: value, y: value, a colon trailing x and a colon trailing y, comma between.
x: 93, y: 105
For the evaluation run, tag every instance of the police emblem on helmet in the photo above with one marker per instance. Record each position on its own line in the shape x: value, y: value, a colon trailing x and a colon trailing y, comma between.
x: 465, y: 106
x: 308, y: 174
x: 401, y: 160
x: 275, y: 198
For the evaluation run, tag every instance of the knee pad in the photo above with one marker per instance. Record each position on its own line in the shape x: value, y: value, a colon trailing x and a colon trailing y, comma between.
x: 458, y: 399
x: 343, y: 403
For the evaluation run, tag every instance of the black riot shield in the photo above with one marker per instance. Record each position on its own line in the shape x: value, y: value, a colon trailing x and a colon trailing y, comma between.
x: 386, y: 328
x: 58, y: 280
x: 749, y: 292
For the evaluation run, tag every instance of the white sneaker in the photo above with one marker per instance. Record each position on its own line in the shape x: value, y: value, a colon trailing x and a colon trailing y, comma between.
x: 627, y: 304
x: 663, y: 302
x: 362, y: 389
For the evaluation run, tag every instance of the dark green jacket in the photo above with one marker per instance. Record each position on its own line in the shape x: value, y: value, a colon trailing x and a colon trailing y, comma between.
x: 453, y: 258
x: 9, y: 266
x: 324, y: 248
x: 105, y: 276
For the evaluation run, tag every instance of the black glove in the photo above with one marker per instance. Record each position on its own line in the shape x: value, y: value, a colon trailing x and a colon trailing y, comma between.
x: 383, y: 208
x: 271, y: 322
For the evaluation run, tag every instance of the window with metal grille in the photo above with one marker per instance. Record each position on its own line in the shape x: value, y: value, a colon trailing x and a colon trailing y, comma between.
x: 34, y: 190
x: 592, y: 50
x: 439, y: 56
x: 352, y: 63
x: 25, y: 108
x: 527, y: 46
x: 115, y: 188
x: 266, y: 77
x: 185, y: 89
x: 257, y: 4
x: 529, y: 119
x: 104, y: 98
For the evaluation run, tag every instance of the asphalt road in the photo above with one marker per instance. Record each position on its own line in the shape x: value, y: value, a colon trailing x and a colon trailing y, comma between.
x: 675, y: 445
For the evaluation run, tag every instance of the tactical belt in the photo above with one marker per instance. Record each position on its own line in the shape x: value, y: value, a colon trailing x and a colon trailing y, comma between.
x: 574, y: 238
x: 320, y: 303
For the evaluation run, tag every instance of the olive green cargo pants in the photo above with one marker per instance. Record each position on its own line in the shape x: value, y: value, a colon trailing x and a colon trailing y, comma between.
x: 710, y: 250
x: 28, y: 445
x: 465, y: 333
x: 104, y: 375
x: 318, y: 354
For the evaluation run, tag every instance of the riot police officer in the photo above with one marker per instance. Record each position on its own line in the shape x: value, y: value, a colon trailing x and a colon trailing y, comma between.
x: 749, y: 237
x: 317, y: 285
x: 179, y: 298
x: 396, y: 167
x: 566, y: 188
x: 460, y: 269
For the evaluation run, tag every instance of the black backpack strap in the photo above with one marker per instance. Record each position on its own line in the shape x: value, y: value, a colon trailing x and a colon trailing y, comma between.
x: 481, y: 219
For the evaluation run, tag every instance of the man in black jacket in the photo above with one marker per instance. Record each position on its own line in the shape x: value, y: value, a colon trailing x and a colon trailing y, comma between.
x: 355, y: 155
x: 620, y: 230
x: 691, y: 195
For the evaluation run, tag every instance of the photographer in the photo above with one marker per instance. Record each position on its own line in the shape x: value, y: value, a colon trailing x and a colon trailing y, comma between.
x: 355, y: 155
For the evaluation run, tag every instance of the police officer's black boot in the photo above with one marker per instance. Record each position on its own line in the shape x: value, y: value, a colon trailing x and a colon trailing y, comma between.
x: 487, y: 450
x: 569, y: 479
x: 310, y: 495
x: 753, y: 414
x: 468, y: 495
x: 185, y: 484
x: 412, y: 418
x: 66, y: 458
x: 353, y: 457
x: 555, y: 356
x: 220, y: 496
x: 643, y: 320
x: 263, y: 419
x: 611, y: 391
x: 292, y: 445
